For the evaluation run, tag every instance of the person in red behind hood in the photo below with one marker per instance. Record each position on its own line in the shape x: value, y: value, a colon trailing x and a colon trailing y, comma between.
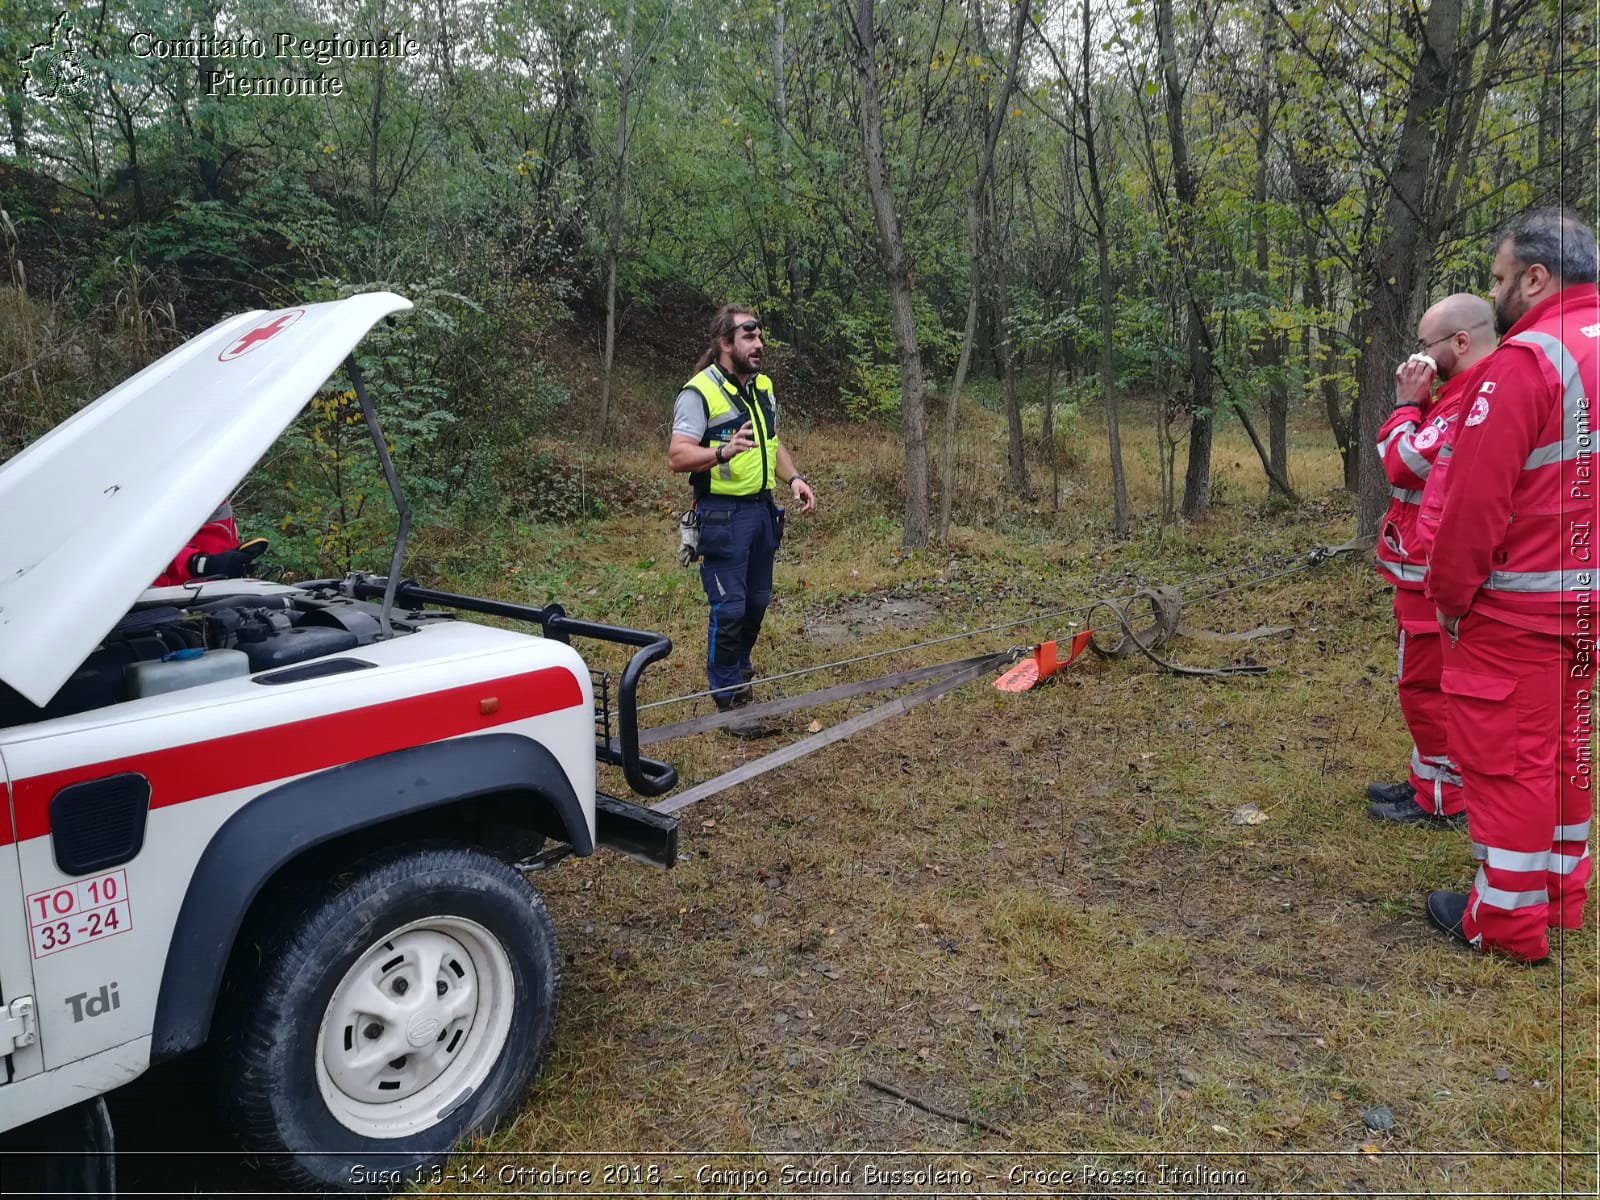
x: 213, y: 552
x: 1512, y: 576
x: 1452, y: 337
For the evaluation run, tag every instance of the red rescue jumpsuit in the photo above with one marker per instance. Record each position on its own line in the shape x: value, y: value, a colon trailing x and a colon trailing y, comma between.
x: 1408, y: 443
x: 219, y: 533
x: 1514, y: 553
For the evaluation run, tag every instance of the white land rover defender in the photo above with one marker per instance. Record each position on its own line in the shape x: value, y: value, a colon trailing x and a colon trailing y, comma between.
x: 285, y: 822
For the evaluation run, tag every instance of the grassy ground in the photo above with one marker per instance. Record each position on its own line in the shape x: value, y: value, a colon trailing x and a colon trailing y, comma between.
x: 1037, y: 910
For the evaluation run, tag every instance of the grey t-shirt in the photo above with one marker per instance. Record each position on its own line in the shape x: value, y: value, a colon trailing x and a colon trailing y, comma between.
x: 689, y: 414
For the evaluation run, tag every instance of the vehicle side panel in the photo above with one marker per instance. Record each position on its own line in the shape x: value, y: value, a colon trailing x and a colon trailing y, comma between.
x: 210, y: 750
x: 270, y: 831
x: 16, y: 967
x: 29, y: 1099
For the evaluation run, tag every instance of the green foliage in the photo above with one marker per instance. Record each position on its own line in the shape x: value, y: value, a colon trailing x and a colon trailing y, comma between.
x: 335, y: 515
x: 332, y: 510
x: 1146, y: 352
x: 873, y: 392
x: 473, y: 177
x: 549, y: 486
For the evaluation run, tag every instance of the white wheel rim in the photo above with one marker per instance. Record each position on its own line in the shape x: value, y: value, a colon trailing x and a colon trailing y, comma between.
x: 415, y: 1027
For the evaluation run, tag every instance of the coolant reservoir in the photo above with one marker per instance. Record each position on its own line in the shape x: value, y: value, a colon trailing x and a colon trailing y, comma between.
x: 184, y: 669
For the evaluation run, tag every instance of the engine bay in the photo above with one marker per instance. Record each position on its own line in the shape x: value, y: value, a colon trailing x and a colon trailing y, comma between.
x: 263, y: 630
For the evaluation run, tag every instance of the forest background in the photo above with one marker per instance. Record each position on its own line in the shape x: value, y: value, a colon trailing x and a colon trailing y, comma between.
x: 1227, y: 211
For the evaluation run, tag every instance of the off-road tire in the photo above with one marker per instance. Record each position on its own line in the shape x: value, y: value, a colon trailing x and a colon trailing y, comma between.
x: 273, y: 1069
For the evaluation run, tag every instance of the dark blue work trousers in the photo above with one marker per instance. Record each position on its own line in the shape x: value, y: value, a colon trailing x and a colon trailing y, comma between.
x: 738, y: 538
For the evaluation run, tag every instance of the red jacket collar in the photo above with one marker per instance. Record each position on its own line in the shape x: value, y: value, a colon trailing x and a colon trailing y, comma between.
x: 1452, y: 388
x: 1578, y: 294
x: 1454, y: 384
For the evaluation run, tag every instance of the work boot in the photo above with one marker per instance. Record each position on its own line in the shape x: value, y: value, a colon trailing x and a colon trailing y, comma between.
x: 1445, y: 910
x: 1409, y: 812
x: 1391, y: 793
x: 751, y: 728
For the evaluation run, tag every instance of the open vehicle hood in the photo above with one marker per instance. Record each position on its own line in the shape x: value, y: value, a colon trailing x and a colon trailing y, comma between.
x: 92, y: 511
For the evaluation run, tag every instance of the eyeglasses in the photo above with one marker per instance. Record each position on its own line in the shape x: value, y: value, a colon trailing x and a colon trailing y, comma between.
x: 749, y: 326
x: 1422, y: 346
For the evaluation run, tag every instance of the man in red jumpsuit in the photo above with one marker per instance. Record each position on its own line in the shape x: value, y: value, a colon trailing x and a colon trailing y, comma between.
x: 1512, y: 574
x: 1456, y: 334
x: 213, y: 552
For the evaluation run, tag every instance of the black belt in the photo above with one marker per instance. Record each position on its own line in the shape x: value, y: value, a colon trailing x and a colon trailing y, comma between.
x: 761, y: 497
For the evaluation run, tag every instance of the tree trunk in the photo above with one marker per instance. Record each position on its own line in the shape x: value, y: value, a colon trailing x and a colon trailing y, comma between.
x: 1197, y: 478
x: 130, y: 139
x: 1386, y: 322
x: 1323, y: 365
x: 947, y: 461
x: 1050, y: 432
x: 19, y: 130
x: 1463, y: 108
x: 619, y: 169
x: 897, y: 277
x: 15, y: 44
x: 1102, y: 241
x: 1166, y: 455
x: 1016, y: 448
x: 977, y: 242
x: 1549, y: 108
x: 1271, y: 355
x: 379, y: 79
x: 794, y: 301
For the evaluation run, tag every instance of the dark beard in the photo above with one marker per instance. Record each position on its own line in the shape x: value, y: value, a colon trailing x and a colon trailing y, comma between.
x: 1504, y: 315
x: 742, y: 366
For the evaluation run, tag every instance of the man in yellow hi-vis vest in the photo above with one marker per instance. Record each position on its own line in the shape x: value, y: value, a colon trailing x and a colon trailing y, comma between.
x: 725, y: 437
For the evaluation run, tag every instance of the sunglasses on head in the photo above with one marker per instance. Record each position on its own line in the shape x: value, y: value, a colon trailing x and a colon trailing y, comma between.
x: 749, y: 326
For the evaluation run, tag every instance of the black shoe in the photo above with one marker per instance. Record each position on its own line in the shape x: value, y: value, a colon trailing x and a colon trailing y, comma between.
x: 1391, y: 793
x: 749, y: 728
x: 1409, y: 812
x: 1445, y: 910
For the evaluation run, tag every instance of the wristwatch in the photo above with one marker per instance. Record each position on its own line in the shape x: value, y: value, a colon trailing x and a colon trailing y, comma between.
x: 718, y: 452
x: 798, y: 478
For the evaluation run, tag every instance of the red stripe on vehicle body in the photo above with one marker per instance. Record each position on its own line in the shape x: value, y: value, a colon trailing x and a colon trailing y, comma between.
x: 240, y: 760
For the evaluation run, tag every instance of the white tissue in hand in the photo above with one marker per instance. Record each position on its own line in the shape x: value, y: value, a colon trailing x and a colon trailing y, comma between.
x: 1426, y: 360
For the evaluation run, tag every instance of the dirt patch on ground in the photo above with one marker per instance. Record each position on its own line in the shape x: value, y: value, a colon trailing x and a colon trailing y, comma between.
x: 847, y: 623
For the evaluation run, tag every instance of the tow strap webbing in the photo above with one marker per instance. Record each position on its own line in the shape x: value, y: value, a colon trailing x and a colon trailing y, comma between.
x: 788, y: 704
x: 961, y: 671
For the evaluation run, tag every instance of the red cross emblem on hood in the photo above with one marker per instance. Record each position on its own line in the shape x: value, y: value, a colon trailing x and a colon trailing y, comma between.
x: 261, y: 334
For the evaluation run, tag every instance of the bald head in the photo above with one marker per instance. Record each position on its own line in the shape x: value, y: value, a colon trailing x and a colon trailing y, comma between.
x: 1457, y: 332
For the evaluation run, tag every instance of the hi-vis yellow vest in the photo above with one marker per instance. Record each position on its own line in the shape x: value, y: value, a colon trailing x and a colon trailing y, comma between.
x: 754, y: 471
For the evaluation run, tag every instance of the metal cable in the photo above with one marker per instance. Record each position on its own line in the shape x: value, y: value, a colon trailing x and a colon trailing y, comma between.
x: 1305, y: 566
x: 845, y: 662
x: 1029, y: 620
x: 1261, y: 564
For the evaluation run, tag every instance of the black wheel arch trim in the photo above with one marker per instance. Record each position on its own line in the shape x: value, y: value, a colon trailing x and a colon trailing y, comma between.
x: 279, y: 825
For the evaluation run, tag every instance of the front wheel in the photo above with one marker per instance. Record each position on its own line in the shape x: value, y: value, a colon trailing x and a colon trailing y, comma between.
x: 408, y: 1007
